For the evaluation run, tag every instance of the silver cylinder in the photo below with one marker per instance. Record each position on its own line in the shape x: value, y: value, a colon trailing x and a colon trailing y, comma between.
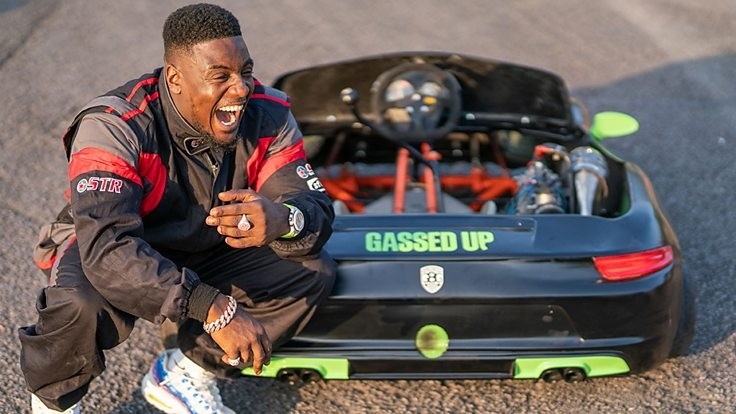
x: 590, y: 171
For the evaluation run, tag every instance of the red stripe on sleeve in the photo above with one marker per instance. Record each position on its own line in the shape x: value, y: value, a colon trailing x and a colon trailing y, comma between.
x: 256, y: 159
x: 141, y: 107
x: 271, y: 98
x: 144, y: 82
x: 270, y: 165
x: 152, y: 169
x: 94, y: 159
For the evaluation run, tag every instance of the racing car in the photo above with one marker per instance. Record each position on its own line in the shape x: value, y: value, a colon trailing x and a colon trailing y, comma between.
x: 482, y: 229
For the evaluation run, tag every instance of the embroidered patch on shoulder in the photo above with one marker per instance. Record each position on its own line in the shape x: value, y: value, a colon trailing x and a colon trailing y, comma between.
x: 105, y: 184
x: 301, y: 171
x: 315, y: 184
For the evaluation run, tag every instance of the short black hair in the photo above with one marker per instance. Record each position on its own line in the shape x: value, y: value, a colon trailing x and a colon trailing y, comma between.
x: 197, y: 23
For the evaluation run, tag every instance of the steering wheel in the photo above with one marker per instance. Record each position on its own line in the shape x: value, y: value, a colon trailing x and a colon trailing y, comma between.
x: 415, y: 102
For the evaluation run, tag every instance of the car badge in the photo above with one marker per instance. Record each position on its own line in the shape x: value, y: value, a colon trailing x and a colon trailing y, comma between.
x: 432, y: 278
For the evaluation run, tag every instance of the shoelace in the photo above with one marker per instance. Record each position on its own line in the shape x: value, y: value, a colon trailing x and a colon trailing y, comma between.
x: 203, y: 388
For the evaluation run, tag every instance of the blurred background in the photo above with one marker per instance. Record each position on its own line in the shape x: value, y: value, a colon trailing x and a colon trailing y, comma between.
x: 670, y: 63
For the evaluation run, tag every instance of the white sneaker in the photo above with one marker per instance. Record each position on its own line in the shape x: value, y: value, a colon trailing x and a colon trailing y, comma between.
x: 175, y: 384
x: 38, y: 407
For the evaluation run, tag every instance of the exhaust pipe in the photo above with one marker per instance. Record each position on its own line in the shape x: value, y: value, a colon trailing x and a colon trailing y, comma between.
x: 590, y: 171
x: 309, y: 376
x: 573, y: 374
x: 288, y: 376
x: 552, y: 375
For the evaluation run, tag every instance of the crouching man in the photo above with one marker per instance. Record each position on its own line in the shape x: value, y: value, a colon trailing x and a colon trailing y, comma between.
x: 185, y: 204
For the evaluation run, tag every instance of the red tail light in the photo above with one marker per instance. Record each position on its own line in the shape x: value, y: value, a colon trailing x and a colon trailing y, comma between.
x: 633, y: 265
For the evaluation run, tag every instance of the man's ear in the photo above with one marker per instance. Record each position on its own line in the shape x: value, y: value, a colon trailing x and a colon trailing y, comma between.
x: 173, y: 79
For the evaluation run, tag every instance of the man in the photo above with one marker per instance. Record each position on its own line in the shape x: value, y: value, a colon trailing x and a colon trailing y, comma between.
x: 190, y: 198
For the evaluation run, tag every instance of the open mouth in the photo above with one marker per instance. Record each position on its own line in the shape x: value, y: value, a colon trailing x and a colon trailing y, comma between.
x: 228, y: 115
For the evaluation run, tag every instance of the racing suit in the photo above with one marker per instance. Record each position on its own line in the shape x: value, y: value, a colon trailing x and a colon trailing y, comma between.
x: 142, y: 181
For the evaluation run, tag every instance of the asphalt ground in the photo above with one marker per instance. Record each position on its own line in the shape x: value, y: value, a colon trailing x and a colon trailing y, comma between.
x: 669, y: 63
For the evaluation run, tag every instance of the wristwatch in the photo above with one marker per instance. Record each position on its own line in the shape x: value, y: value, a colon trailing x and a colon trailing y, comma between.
x: 296, y: 222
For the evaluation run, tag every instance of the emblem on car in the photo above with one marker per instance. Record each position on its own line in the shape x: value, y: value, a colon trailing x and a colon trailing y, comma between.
x: 432, y: 278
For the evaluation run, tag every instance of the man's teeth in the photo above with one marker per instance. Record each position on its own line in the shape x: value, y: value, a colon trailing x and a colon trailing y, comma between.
x: 231, y: 113
x: 231, y: 108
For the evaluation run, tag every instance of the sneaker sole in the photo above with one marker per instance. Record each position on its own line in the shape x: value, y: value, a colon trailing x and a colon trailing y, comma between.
x: 160, y: 398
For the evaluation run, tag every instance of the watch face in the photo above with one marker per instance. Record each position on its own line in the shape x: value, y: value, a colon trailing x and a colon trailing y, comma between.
x: 298, y: 220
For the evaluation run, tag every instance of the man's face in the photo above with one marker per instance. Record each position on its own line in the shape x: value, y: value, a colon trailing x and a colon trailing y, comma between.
x: 211, y: 85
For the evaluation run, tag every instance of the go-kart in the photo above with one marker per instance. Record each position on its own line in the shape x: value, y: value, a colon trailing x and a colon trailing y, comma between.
x: 482, y: 229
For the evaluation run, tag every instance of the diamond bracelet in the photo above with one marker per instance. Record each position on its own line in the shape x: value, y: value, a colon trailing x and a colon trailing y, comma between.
x: 224, y: 319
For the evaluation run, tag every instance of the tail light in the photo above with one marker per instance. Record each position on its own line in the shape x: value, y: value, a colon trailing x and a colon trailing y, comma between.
x: 633, y: 265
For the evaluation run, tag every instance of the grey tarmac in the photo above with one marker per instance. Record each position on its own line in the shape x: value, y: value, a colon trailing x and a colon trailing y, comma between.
x: 671, y: 63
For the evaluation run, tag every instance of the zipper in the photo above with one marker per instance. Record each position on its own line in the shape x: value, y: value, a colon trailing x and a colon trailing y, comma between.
x: 213, y: 166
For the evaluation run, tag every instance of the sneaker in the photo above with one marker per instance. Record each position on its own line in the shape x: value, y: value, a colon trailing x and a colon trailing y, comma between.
x: 175, y: 384
x: 38, y: 407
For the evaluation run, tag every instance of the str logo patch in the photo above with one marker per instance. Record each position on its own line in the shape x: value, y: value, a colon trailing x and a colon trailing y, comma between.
x: 432, y: 278
x: 106, y: 184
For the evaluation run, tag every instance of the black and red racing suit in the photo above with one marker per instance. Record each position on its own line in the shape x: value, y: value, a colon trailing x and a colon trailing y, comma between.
x: 135, y: 243
x: 142, y: 182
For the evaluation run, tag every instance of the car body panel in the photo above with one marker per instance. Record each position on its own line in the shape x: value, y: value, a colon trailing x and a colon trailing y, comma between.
x: 466, y: 294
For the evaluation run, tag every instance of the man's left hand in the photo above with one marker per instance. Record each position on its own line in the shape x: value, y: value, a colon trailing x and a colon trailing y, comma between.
x: 268, y: 220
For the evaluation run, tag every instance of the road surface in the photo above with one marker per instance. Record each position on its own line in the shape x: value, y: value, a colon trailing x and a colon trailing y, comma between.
x: 670, y: 63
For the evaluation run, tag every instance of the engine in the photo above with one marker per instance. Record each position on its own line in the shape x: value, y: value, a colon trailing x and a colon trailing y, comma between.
x: 556, y: 181
x: 540, y: 192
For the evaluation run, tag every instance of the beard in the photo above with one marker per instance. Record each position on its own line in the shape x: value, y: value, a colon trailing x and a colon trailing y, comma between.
x: 208, y: 139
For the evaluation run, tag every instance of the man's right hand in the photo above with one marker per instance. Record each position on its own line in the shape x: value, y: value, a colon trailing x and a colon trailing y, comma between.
x: 244, y: 337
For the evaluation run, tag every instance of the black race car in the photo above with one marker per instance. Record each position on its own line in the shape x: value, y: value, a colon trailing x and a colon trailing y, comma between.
x: 482, y: 229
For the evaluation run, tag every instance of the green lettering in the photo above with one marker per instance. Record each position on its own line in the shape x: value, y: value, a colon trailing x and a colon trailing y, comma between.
x: 420, y: 242
x: 389, y: 242
x: 469, y: 240
x: 433, y: 237
x: 449, y: 241
x: 484, y: 239
x: 373, y: 241
x: 405, y: 242
x: 432, y: 241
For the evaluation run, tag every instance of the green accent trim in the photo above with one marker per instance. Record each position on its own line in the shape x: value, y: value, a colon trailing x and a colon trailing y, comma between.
x: 328, y: 368
x: 594, y: 366
x: 612, y: 124
x: 290, y: 234
x: 432, y: 341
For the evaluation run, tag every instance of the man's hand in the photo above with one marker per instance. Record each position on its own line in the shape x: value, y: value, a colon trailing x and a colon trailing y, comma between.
x: 244, y: 337
x: 268, y: 220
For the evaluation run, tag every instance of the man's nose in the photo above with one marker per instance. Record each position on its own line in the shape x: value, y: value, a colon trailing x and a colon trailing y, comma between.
x: 241, y: 87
